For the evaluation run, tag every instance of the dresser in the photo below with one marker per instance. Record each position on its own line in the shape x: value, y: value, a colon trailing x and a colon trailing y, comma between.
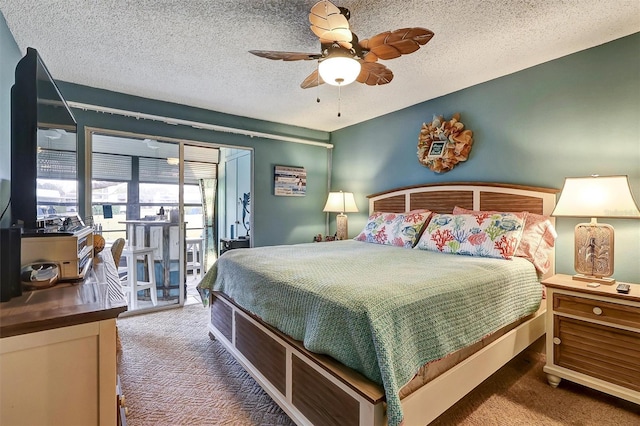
x: 593, y: 336
x: 58, y: 352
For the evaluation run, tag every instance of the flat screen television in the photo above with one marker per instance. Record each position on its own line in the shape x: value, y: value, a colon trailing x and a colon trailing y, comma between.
x: 43, y: 146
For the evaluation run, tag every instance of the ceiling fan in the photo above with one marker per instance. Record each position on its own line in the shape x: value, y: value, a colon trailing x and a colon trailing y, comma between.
x: 343, y: 57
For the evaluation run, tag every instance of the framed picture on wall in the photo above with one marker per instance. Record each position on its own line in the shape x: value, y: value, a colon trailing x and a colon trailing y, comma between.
x: 290, y: 181
x: 436, y: 149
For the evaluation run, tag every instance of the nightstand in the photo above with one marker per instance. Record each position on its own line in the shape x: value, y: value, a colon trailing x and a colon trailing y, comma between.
x: 227, y: 244
x: 593, y: 336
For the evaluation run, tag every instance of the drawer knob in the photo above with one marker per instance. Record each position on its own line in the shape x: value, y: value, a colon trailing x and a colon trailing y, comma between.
x: 556, y: 341
x: 597, y: 311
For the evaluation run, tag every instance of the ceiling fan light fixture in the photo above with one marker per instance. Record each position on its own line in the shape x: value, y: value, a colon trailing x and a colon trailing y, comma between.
x: 339, y: 70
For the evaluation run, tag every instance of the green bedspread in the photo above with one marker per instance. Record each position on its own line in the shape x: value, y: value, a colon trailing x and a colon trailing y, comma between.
x: 383, y: 311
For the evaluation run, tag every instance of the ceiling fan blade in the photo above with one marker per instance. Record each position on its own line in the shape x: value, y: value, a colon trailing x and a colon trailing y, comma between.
x: 374, y: 74
x: 312, y: 80
x: 328, y: 23
x: 286, y: 56
x: 393, y: 44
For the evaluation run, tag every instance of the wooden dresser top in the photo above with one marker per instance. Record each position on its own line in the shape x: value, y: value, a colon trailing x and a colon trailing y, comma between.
x: 98, y: 297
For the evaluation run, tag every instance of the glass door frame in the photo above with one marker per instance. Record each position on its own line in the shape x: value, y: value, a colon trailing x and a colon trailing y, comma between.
x: 85, y: 189
x: 85, y: 196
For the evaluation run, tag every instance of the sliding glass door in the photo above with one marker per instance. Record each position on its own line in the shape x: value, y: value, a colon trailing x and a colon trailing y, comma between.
x: 172, y: 201
x: 135, y: 195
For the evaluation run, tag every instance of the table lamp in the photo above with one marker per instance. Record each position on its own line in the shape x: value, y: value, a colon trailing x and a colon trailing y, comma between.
x: 595, y: 196
x: 341, y: 202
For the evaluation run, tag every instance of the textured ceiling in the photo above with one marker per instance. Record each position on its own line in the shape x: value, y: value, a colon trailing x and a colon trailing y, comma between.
x: 194, y: 52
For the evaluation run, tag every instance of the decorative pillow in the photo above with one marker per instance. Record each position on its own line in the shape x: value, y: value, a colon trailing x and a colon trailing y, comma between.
x: 492, y: 235
x: 538, y: 238
x: 395, y: 229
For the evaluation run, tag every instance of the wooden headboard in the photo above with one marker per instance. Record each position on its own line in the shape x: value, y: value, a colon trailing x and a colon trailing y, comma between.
x: 443, y: 197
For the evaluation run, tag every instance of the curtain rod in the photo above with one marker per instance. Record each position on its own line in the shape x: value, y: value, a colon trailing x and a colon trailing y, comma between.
x: 195, y: 124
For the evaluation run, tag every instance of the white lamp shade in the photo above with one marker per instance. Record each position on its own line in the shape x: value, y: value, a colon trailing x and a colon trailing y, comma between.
x: 339, y: 70
x: 597, y: 196
x: 340, y: 202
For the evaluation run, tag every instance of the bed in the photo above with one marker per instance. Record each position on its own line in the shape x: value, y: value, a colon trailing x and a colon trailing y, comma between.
x: 334, y: 297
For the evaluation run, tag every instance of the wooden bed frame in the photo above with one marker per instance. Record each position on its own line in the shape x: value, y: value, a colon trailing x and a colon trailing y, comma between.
x: 317, y: 390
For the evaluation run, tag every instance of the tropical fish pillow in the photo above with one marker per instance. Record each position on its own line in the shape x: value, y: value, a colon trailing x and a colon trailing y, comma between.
x: 491, y: 235
x: 538, y: 238
x: 394, y: 229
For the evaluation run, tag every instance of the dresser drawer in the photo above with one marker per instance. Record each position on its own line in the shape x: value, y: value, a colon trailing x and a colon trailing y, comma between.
x: 613, y: 313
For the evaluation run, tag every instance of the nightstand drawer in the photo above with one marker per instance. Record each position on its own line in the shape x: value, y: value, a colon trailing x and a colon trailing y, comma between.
x: 613, y: 313
x: 607, y: 353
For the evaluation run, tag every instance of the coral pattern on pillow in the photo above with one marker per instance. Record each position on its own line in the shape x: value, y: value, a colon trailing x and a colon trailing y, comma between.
x: 487, y: 235
x: 538, y: 238
x: 394, y: 229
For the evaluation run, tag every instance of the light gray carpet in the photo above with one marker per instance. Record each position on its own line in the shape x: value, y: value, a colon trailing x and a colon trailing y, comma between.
x: 173, y: 374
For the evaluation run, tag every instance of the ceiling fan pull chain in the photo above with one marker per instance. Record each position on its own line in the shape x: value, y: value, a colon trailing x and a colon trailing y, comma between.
x: 339, y: 98
x: 318, y: 85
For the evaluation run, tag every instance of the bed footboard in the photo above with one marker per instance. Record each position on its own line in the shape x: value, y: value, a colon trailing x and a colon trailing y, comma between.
x: 317, y: 390
x: 311, y: 389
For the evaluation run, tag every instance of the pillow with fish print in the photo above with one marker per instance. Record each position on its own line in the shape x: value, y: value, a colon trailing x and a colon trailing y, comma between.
x: 493, y: 235
x: 538, y: 238
x: 394, y: 229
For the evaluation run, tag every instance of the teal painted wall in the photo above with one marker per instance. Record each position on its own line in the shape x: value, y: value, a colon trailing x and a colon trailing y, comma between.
x: 574, y: 116
x: 10, y: 55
